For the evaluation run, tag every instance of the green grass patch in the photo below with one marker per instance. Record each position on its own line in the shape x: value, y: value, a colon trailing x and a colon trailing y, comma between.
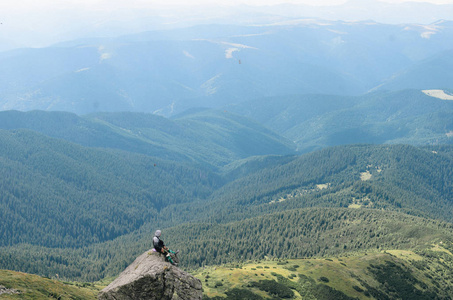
x: 354, y: 276
x: 36, y: 287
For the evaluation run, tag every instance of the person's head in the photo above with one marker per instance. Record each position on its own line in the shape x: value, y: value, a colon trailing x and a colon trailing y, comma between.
x: 158, y: 233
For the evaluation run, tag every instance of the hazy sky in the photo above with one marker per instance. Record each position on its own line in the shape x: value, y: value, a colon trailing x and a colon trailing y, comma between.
x: 20, y: 5
x: 42, y: 22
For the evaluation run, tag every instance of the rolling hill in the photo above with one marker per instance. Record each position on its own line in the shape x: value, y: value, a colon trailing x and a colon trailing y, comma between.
x: 318, y: 121
x: 26, y: 286
x: 212, y: 65
x: 432, y: 73
x: 393, y: 274
x: 388, y: 274
x: 399, y: 177
x: 211, y: 138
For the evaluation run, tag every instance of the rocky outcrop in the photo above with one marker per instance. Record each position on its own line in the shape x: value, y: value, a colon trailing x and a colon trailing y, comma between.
x: 151, y: 277
x: 5, y: 291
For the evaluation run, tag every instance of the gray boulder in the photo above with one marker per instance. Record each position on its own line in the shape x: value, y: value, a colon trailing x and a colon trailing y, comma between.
x: 151, y: 277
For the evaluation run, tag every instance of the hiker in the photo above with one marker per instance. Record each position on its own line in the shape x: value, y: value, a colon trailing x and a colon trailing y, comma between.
x: 160, y: 247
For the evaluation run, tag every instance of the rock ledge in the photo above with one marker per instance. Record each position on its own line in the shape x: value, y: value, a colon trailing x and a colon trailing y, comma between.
x: 151, y: 277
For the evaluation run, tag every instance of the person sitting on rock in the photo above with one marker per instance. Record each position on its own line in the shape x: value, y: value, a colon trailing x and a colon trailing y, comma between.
x: 160, y: 247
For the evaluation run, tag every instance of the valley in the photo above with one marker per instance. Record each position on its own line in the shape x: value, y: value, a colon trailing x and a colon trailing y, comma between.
x: 81, y: 196
x: 115, y: 211
x: 286, y: 154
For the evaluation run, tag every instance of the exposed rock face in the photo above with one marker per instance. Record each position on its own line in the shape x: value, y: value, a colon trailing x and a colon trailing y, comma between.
x: 151, y: 277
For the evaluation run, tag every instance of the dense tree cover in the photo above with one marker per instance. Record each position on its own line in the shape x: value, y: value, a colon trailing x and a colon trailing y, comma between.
x: 304, y: 233
x: 211, y: 138
x: 86, y: 213
x: 58, y: 194
x: 399, y: 283
x: 290, y: 234
x: 319, y: 121
x: 305, y: 171
x: 399, y: 177
x: 274, y: 288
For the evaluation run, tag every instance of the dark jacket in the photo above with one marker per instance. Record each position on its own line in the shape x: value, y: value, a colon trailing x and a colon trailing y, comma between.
x: 158, y: 244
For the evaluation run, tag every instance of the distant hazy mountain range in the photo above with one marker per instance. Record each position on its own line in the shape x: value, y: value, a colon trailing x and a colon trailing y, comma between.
x: 78, y: 21
x: 318, y: 121
x: 169, y: 71
x: 266, y: 126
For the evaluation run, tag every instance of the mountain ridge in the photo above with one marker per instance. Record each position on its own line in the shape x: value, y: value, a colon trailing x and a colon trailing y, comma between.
x: 174, y: 70
x: 316, y: 121
x: 212, y: 138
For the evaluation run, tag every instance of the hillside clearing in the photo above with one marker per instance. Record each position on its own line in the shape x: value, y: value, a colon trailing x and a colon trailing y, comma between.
x: 438, y: 94
x: 364, y: 176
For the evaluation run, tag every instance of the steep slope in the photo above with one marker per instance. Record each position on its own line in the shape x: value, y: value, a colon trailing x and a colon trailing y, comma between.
x: 212, y: 138
x: 58, y: 194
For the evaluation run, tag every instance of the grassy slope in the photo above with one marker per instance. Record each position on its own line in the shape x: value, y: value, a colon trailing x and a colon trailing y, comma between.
x: 391, y: 274
x: 36, y: 287
x: 357, y: 275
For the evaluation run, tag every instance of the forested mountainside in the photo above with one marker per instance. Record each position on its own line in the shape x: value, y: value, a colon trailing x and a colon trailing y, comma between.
x: 427, y: 73
x: 86, y: 212
x: 264, y: 126
x: 169, y: 71
x: 397, y: 177
x: 300, y: 233
x: 318, y: 121
x: 211, y: 138
x: 289, y: 151
x: 306, y: 233
x: 58, y: 194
